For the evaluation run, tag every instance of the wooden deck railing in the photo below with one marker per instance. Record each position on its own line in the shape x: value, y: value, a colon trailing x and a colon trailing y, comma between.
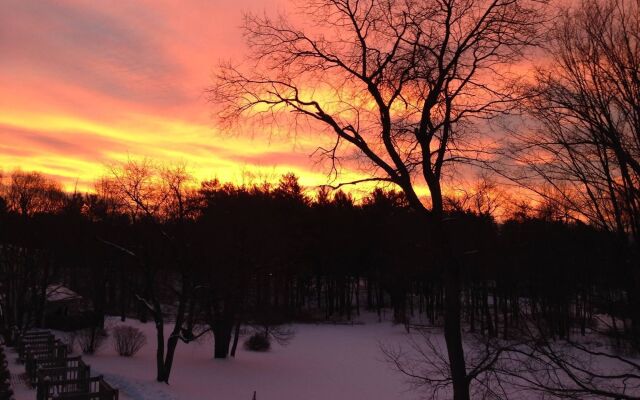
x: 57, y: 376
x: 34, y: 354
x: 76, y: 389
x: 33, y: 341
x: 59, y: 369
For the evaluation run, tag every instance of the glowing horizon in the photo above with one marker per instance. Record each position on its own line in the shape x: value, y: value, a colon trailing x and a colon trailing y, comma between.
x: 87, y: 84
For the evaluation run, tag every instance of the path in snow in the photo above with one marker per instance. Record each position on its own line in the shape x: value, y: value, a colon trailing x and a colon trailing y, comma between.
x: 133, y: 389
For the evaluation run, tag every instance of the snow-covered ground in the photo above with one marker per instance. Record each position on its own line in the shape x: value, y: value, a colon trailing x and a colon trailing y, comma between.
x: 21, y: 391
x: 322, y: 362
x: 338, y: 362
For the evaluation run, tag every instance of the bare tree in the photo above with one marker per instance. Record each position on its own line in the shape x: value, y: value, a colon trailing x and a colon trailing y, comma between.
x: 137, y: 186
x: 583, y: 158
x: 27, y: 194
x: 583, y: 368
x: 31, y: 192
x: 425, y: 365
x: 397, y: 84
x: 532, y: 365
x: 159, y: 194
x: 483, y: 197
x: 588, y: 104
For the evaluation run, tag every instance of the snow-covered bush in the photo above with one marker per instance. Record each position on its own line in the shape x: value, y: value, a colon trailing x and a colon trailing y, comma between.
x: 91, y: 339
x: 128, y: 340
x: 257, y: 342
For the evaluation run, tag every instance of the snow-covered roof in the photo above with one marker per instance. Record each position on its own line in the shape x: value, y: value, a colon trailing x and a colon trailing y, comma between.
x: 57, y: 292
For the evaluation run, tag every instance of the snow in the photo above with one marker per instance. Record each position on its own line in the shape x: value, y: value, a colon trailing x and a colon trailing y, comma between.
x: 21, y: 391
x: 324, y: 361
x: 338, y: 362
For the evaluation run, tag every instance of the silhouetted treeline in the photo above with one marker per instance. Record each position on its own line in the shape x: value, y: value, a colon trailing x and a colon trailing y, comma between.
x: 227, y: 255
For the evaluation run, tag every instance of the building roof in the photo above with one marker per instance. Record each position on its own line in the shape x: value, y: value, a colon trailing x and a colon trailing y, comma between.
x: 58, y: 292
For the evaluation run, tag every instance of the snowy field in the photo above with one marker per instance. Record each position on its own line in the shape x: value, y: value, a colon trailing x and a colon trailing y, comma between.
x: 337, y: 362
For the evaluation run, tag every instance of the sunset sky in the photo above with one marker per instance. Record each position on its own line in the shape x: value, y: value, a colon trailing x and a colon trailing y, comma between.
x: 85, y: 83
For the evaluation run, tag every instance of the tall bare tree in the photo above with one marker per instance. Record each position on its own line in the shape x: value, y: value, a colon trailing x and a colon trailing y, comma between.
x: 159, y: 195
x: 31, y: 192
x: 588, y: 105
x: 585, y: 152
x: 397, y: 84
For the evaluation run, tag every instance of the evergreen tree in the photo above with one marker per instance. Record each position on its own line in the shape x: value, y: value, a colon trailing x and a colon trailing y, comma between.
x: 5, y: 378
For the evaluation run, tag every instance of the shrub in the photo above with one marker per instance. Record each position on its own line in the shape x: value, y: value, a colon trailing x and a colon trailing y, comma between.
x: 128, y: 340
x: 257, y: 342
x: 91, y: 339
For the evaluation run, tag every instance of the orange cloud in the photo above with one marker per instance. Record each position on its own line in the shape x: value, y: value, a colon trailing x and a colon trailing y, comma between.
x: 87, y: 83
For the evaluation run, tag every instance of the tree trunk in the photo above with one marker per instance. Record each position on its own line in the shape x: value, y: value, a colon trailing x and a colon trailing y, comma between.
x: 236, y: 336
x: 160, y: 347
x: 172, y: 343
x: 452, y: 309
x: 222, y: 337
x: 453, y: 335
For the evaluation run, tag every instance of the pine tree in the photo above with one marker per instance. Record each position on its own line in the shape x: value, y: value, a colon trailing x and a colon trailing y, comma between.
x: 5, y: 377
